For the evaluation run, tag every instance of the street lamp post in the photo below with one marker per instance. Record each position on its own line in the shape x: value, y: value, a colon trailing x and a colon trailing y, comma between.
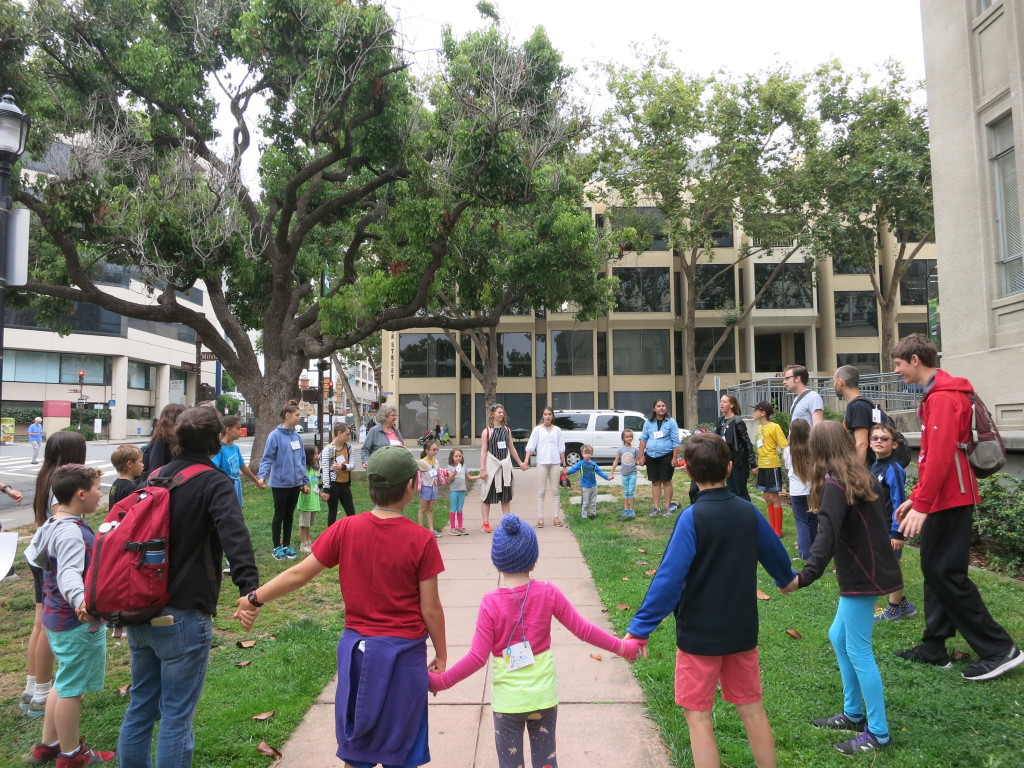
x: 13, y: 133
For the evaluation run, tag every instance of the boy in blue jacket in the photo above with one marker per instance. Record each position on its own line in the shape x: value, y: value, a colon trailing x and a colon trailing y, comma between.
x: 893, y: 479
x: 708, y: 578
x: 588, y: 482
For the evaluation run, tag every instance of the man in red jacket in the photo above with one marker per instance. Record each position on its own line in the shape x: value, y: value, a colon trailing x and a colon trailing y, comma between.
x: 940, y: 509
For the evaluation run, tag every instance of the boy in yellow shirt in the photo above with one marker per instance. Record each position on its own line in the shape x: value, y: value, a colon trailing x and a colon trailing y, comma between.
x: 770, y: 443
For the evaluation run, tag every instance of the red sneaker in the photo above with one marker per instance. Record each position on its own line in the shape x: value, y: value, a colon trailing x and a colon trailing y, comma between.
x: 84, y: 756
x: 44, y: 753
x: 486, y: 528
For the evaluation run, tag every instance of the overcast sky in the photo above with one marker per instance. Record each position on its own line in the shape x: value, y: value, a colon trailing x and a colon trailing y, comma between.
x: 739, y: 35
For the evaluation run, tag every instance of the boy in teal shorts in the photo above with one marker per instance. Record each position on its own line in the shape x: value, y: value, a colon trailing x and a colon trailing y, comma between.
x: 62, y: 547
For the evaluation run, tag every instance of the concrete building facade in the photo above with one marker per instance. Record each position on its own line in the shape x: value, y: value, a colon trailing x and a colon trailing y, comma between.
x: 974, y: 62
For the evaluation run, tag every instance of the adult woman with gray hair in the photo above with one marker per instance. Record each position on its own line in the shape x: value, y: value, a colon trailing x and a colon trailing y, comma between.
x: 383, y: 433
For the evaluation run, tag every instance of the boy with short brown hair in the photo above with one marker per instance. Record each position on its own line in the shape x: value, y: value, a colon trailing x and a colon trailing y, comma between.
x: 127, y: 460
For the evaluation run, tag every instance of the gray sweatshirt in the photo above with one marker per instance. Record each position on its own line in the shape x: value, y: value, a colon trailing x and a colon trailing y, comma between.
x: 61, y: 539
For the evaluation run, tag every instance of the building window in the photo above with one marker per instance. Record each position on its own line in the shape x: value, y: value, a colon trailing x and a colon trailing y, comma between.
x: 417, y: 413
x: 602, y: 353
x: 572, y: 353
x: 843, y: 264
x: 793, y: 288
x: 541, y: 357
x: 178, y: 379
x: 640, y: 352
x: 515, y: 354
x: 467, y: 347
x: 83, y: 318
x: 646, y: 219
x: 643, y: 289
x: 141, y: 375
x: 1004, y: 171
x: 518, y: 410
x: 425, y: 356
x: 572, y: 401
x: 642, y: 401
x: 920, y: 282
x: 725, y: 359
x: 722, y: 232
x: 856, y: 313
x: 175, y: 331
x: 905, y: 329
x: 716, y: 286
x: 866, y: 363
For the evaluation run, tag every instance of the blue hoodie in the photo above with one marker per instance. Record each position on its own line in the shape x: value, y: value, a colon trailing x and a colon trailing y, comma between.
x: 284, y: 459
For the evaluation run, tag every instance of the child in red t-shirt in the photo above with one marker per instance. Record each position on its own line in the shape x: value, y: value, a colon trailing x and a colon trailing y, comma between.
x: 388, y: 568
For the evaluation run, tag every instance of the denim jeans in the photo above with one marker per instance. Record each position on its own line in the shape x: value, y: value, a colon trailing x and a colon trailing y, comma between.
x: 806, y: 526
x: 168, y: 670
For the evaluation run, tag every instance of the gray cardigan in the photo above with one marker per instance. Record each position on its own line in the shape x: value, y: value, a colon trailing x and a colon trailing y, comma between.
x: 375, y: 439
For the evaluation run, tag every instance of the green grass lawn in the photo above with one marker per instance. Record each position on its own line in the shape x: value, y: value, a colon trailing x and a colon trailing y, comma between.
x: 937, y: 718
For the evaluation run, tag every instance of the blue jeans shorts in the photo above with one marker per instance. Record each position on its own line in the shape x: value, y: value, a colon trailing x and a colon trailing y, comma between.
x: 428, y: 492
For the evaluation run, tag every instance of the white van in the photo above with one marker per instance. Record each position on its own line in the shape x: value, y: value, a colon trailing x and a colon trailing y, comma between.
x: 601, y: 429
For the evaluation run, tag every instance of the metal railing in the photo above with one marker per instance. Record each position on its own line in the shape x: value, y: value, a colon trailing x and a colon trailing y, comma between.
x: 886, y: 389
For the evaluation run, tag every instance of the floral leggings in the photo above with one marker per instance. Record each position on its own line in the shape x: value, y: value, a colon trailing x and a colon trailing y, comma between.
x: 508, y: 738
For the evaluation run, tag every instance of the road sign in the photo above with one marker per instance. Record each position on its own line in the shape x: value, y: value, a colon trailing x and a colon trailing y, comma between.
x: 190, y: 367
x: 209, y: 357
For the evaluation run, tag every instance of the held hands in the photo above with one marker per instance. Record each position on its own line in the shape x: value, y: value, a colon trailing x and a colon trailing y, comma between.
x: 523, y: 466
x: 246, y: 613
x: 325, y: 496
x: 897, y: 544
x: 261, y: 483
x: 437, y: 666
x: 434, y: 682
x: 792, y: 587
x: 635, y: 645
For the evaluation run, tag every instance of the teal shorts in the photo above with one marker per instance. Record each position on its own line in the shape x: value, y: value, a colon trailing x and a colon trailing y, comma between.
x: 81, y: 658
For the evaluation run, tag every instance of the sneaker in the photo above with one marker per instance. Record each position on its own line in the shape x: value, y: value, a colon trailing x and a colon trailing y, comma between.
x: 862, y: 742
x: 673, y: 507
x: 994, y: 666
x: 36, y: 708
x: 486, y: 527
x: 26, y: 699
x: 437, y: 534
x: 592, y: 515
x: 84, y: 756
x: 44, y: 753
x: 841, y: 722
x: 290, y: 553
x: 655, y: 512
x: 279, y: 553
x: 889, y: 613
x: 540, y: 522
x: 907, y: 609
x: 454, y: 532
x: 628, y: 514
x: 921, y: 654
x: 463, y: 532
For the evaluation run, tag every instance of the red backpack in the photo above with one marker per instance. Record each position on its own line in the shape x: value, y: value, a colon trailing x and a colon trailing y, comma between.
x: 126, y: 582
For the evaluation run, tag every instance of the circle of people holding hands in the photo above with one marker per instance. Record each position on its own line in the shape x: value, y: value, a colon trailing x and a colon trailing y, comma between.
x: 849, y: 509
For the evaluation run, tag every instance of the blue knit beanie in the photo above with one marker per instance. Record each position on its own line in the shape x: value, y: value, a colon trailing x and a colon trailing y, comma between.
x: 514, y: 546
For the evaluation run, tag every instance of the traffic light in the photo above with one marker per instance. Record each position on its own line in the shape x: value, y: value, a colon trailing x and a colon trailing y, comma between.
x: 374, y: 406
x: 328, y: 389
x: 81, y: 377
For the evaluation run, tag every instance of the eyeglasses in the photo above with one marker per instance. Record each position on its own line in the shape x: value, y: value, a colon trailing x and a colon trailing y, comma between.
x: 496, y: 406
x: 786, y: 378
x: 880, y: 438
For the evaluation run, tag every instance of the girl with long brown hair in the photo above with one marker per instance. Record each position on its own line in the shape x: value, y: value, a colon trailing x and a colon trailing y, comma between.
x: 797, y: 458
x: 852, y: 529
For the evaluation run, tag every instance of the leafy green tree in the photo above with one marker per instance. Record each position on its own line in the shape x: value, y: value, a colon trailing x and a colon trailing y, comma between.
x: 708, y: 153
x: 874, y: 166
x: 359, y: 181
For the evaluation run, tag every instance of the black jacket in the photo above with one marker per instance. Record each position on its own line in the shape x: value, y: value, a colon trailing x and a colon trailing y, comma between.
x: 734, y: 431
x: 206, y: 508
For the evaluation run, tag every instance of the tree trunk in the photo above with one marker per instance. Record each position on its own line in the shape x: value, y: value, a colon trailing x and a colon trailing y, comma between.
x: 350, y: 398
x: 267, y: 394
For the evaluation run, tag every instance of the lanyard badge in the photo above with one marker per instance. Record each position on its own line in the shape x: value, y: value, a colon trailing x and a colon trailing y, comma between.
x: 518, y: 655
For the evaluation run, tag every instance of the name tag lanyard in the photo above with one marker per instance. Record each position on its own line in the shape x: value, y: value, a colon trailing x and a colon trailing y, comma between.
x: 518, y: 655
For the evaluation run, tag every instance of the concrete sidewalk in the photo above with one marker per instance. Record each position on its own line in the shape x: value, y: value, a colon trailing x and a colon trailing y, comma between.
x: 601, y: 716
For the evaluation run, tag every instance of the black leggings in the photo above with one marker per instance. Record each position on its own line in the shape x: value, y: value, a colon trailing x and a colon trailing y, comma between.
x: 285, y: 500
x: 340, y: 492
x: 508, y: 738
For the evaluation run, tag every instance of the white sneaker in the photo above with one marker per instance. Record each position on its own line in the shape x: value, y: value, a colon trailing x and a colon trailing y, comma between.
x: 306, y: 548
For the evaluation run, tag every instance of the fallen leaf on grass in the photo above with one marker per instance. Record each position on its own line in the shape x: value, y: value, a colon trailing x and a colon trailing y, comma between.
x: 762, y: 596
x: 596, y: 657
x: 123, y: 690
x: 794, y: 634
x: 266, y: 749
x: 651, y: 572
x: 243, y: 664
x: 958, y: 655
x: 644, y: 551
x: 245, y: 643
x: 622, y: 607
x: 625, y: 578
x: 641, y: 562
x: 264, y: 715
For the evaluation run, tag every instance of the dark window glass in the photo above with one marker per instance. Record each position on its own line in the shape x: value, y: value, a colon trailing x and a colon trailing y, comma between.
x: 141, y: 375
x: 602, y: 399
x: 518, y: 410
x: 572, y: 401
x: 417, y: 413
x: 905, y: 329
x: 607, y: 423
x: 572, y: 422
x: 792, y: 289
x: 641, y: 352
x: 466, y: 417
x: 425, y: 355
x: 677, y: 344
x: 716, y: 286
x: 634, y: 423
x: 602, y: 353
x: 642, y: 289
x: 573, y: 353
x: 541, y: 357
x: 167, y: 330
x: 467, y: 346
x: 722, y: 233
x: 768, y: 352
x: 920, y: 282
x: 849, y: 265
x: 725, y: 359
x: 83, y: 318
x: 856, y: 313
x: 514, y: 354
x: 97, y: 369
x: 642, y: 401
x: 646, y: 219
x: 864, y: 362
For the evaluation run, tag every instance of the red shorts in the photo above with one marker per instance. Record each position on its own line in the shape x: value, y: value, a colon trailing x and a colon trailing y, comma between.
x: 697, y: 677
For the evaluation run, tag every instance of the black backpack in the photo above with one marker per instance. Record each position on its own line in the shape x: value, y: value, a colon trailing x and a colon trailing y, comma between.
x: 902, y: 451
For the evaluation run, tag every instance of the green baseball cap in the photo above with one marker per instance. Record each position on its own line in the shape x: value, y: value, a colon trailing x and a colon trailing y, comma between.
x: 393, y: 466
